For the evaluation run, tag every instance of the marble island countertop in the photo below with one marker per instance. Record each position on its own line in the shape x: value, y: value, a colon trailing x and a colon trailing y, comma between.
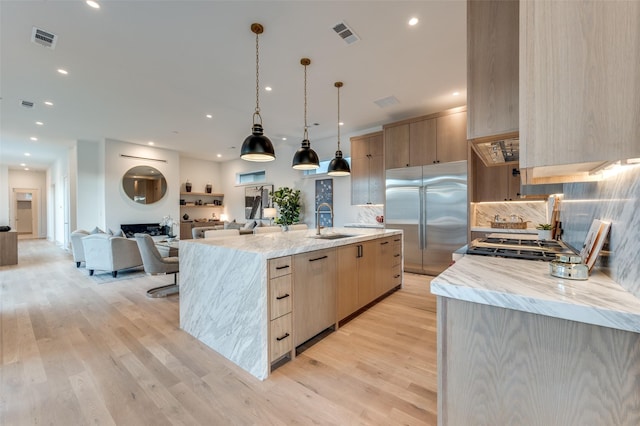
x: 280, y: 244
x: 527, y: 286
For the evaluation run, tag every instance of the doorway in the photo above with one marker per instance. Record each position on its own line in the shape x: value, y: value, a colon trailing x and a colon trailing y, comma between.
x: 26, y: 212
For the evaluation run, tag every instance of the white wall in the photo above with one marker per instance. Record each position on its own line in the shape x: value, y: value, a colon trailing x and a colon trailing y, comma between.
x: 200, y: 173
x: 89, y: 201
x: 119, y: 209
x: 55, y: 212
x: 4, y: 196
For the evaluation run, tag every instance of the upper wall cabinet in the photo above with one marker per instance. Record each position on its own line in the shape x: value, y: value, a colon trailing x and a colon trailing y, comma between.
x: 579, y: 91
x: 367, y: 172
x: 492, y: 67
x: 435, y: 138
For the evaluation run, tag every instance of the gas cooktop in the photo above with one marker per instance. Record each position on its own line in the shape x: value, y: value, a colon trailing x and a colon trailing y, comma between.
x: 517, y: 248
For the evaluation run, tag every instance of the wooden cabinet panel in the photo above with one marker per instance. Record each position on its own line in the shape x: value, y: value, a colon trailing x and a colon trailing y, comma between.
x: 579, y: 93
x: 280, y: 266
x: 423, y: 141
x: 396, y: 146
x: 348, y: 280
x: 492, y: 67
x: 280, y: 296
x: 496, y: 183
x: 281, y: 336
x: 368, y: 269
x: 367, y: 170
x: 314, y: 293
x: 451, y: 134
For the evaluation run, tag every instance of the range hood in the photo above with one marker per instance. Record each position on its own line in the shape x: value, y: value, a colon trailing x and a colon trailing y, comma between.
x: 498, y: 150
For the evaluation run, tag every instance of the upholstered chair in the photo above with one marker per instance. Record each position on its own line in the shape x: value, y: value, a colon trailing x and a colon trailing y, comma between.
x: 198, y: 231
x: 155, y: 264
x: 221, y: 233
x: 266, y: 229
x: 77, y: 247
x: 104, y: 252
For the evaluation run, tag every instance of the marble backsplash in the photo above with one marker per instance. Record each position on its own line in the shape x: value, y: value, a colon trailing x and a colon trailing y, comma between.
x: 615, y: 199
x: 533, y: 212
x: 367, y: 214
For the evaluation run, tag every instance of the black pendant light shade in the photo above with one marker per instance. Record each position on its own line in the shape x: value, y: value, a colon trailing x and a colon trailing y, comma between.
x: 338, y: 166
x: 305, y: 158
x: 257, y: 147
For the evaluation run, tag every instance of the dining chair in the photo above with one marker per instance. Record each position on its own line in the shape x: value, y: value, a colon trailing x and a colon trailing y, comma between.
x: 154, y: 264
x: 221, y: 233
x: 266, y: 229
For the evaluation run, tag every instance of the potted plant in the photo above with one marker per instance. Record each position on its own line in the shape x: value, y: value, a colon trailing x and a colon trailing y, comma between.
x: 544, y: 231
x: 288, y: 202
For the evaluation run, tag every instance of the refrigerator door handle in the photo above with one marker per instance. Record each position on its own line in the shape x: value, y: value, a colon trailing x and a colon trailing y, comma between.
x: 422, y: 220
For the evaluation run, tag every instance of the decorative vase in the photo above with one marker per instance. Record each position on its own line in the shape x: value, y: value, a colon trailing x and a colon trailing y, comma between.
x: 208, y: 188
x: 285, y: 228
x: 188, y: 186
x: 185, y: 216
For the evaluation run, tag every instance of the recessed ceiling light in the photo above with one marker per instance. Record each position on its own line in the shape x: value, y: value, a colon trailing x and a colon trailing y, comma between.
x: 268, y: 89
x: 93, y: 4
x: 219, y: 155
x: 23, y: 165
x: 63, y: 71
x: 413, y: 21
x: 341, y: 124
x: 26, y: 168
x: 33, y: 138
x: 209, y: 116
x: 39, y: 123
x: 284, y: 139
x: 26, y: 154
x: 456, y: 93
x: 48, y: 103
x: 151, y: 143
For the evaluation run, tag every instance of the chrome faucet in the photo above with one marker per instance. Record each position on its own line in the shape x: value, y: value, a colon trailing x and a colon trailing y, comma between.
x: 318, y: 216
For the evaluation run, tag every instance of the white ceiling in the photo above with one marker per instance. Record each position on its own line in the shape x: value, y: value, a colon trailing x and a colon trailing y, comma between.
x: 143, y: 71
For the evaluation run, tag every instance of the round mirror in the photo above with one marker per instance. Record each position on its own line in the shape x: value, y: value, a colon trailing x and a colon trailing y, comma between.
x: 144, y: 184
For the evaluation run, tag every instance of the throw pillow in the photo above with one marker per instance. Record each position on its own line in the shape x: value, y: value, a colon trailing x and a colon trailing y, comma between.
x: 233, y: 225
x: 250, y: 225
x: 117, y: 233
x: 97, y: 230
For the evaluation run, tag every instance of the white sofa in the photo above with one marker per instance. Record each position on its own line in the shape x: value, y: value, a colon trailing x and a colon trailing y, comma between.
x: 77, y: 247
x: 108, y: 253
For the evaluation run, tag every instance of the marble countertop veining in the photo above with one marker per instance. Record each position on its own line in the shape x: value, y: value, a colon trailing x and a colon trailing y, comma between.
x: 504, y: 230
x: 288, y: 243
x: 527, y: 286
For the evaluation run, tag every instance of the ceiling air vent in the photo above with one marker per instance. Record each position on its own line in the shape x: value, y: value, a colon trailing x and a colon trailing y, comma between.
x: 44, y: 38
x: 346, y: 33
x: 387, y: 102
x: 27, y: 104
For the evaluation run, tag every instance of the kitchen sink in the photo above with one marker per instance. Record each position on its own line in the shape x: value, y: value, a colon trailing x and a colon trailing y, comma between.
x: 332, y: 236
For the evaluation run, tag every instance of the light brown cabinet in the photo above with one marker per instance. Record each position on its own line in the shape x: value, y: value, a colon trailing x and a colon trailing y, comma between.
x: 495, y: 183
x: 280, y: 308
x: 367, y: 171
x: 314, y: 293
x: 435, y: 138
x: 579, y: 92
x: 492, y: 67
x: 366, y: 271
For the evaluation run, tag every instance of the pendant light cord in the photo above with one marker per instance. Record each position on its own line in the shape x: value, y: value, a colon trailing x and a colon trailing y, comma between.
x: 338, y: 118
x: 257, y: 111
x: 306, y: 135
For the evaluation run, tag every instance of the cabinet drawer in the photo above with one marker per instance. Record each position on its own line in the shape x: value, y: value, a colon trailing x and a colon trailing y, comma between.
x: 280, y: 296
x: 281, y: 339
x: 396, y: 275
x: 280, y: 266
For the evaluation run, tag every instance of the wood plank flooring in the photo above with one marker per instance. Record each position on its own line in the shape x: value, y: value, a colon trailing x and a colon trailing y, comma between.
x: 73, y: 352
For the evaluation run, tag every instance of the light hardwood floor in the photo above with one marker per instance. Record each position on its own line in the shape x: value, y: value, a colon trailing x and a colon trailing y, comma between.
x: 74, y: 352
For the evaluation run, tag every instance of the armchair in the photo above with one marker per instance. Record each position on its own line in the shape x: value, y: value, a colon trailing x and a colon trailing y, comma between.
x: 108, y: 253
x: 77, y: 247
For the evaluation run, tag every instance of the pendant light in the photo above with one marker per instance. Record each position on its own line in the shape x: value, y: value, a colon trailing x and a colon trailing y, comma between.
x: 305, y: 158
x: 257, y: 147
x: 338, y: 166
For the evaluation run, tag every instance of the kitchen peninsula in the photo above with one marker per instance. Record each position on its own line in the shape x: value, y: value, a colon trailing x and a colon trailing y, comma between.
x: 254, y: 298
x: 518, y: 346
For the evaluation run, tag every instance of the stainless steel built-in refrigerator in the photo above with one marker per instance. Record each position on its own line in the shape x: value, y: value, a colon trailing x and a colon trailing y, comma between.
x: 429, y: 203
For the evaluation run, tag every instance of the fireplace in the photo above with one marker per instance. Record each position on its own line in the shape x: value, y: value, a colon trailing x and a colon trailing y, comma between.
x: 143, y: 228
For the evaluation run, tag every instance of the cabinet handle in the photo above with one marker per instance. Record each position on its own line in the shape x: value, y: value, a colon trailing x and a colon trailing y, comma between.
x: 386, y: 242
x: 396, y: 240
x: 282, y: 297
x: 396, y: 276
x: 396, y: 255
x: 282, y: 267
x: 318, y: 258
x: 359, y: 250
x: 283, y: 337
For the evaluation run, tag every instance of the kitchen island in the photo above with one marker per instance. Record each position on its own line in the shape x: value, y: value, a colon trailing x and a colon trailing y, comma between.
x: 251, y: 297
x: 518, y: 346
